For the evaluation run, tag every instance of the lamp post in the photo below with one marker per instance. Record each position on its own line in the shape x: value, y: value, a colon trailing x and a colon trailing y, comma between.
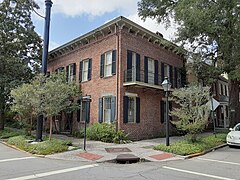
x: 87, y: 100
x: 166, y: 87
x: 48, y: 4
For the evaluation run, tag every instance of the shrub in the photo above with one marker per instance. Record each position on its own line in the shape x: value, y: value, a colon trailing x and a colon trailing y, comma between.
x: 43, y: 148
x: 189, y: 147
x: 7, y: 133
x: 106, y: 133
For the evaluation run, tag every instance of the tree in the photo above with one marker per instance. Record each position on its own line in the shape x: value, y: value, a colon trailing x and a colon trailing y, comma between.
x: 20, y: 49
x: 46, y: 95
x: 212, y: 28
x: 193, y: 112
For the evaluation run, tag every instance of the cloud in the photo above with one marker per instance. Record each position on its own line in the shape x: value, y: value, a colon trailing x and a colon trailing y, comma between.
x: 74, y: 8
x: 53, y: 45
x: 153, y: 26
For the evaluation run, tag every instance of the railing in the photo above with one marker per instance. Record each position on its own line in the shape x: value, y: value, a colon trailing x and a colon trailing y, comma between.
x: 133, y: 76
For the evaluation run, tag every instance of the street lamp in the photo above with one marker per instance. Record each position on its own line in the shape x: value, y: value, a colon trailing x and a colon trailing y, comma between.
x: 166, y: 87
x: 48, y: 4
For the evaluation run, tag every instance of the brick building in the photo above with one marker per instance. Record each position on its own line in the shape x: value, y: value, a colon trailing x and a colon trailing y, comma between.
x: 121, y: 65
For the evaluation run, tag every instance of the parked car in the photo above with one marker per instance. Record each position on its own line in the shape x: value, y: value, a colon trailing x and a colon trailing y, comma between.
x: 233, y: 137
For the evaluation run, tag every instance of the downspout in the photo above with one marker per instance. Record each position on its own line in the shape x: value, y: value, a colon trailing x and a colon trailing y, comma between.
x: 117, y: 73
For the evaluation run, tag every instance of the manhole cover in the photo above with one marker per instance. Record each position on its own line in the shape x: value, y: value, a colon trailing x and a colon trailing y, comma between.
x: 116, y: 150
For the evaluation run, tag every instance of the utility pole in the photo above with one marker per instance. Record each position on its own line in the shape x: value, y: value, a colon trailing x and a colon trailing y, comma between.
x: 48, y: 4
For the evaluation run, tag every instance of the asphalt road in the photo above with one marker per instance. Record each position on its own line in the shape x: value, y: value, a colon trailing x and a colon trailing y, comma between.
x: 221, y: 164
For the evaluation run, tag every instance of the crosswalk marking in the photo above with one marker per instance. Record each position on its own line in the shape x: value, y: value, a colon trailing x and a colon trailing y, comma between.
x: 16, y: 159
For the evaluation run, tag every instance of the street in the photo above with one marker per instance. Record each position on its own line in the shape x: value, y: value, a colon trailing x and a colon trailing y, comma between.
x: 220, y: 164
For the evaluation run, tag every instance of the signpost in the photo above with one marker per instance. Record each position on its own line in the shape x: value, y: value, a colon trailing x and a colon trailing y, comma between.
x: 213, y: 104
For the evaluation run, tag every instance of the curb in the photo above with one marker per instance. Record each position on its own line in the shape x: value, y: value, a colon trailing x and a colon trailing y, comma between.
x: 14, y: 147
x: 204, y: 152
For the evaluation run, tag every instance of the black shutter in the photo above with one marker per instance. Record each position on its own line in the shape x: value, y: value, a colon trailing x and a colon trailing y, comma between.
x: 137, y: 67
x: 100, y: 110
x: 162, y: 71
x: 113, y: 108
x: 67, y: 73
x: 125, y: 109
x: 89, y: 69
x: 162, y: 111
x: 129, y: 60
x: 74, y: 71
x: 87, y: 104
x: 170, y: 110
x: 145, y: 69
x: 175, y: 77
x: 156, y: 72
x: 102, y: 65
x: 80, y: 71
x: 171, y: 74
x: 137, y: 110
x: 113, y: 62
x: 78, y: 111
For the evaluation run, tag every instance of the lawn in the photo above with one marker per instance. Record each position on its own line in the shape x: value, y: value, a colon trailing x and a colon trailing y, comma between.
x: 186, y: 147
x: 41, y: 148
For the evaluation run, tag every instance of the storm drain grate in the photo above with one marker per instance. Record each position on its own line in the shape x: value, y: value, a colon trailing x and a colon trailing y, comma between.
x: 117, y: 150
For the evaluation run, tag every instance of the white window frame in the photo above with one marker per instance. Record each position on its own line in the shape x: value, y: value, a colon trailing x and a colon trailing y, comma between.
x: 105, y: 98
x: 166, y: 70
x: 108, y: 65
x: 85, y: 71
x: 151, y: 70
x: 70, y: 72
x: 134, y: 110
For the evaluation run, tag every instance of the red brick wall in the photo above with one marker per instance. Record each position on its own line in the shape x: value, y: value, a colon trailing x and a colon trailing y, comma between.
x: 150, y: 125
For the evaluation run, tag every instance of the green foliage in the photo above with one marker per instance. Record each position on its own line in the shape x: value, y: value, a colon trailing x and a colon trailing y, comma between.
x: 20, y: 49
x: 47, y: 95
x: 193, y: 112
x: 210, y: 28
x: 43, y: 148
x: 187, y: 147
x: 106, y: 132
x: 7, y: 133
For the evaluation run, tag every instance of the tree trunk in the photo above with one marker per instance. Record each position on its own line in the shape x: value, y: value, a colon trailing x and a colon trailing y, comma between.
x: 31, y: 124
x: 234, y: 105
x: 2, y: 120
x: 2, y: 108
x: 51, y: 127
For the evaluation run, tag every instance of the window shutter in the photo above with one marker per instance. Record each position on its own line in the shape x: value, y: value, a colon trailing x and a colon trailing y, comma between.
x: 171, y: 74
x: 137, y: 67
x: 113, y: 108
x: 170, y: 109
x: 78, y: 111
x: 125, y: 109
x: 156, y: 72
x: 137, y: 110
x: 74, y: 71
x: 102, y: 65
x: 175, y: 77
x: 162, y: 71
x: 113, y: 62
x: 162, y: 111
x: 145, y: 69
x: 100, y: 110
x: 61, y: 69
x: 67, y: 73
x: 80, y: 71
x: 89, y: 69
x: 129, y: 60
x: 87, y: 104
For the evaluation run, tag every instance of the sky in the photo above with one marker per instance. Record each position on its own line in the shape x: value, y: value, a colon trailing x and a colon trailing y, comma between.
x: 73, y: 18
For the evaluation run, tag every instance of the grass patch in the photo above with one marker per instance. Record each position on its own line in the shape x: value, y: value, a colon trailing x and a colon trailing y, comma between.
x: 186, y: 147
x: 7, y: 133
x: 42, y: 148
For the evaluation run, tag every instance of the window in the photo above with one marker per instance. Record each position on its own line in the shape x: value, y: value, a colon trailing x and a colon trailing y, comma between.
x: 71, y: 72
x: 166, y: 70
x: 107, y: 109
x: 151, y: 71
x: 131, y: 109
x: 59, y: 70
x: 108, y: 64
x: 133, y: 66
x: 85, y: 70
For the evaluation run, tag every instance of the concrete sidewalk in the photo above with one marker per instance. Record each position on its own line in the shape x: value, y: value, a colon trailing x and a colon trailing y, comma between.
x: 97, y: 151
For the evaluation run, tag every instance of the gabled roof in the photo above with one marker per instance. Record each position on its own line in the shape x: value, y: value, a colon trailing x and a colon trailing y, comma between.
x: 109, y: 27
